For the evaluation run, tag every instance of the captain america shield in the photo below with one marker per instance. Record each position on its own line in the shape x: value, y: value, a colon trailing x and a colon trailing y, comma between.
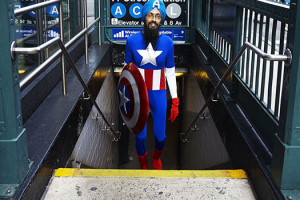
x: 133, y: 98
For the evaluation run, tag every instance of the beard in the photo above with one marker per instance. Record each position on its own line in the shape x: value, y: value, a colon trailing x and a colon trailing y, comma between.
x: 151, y: 35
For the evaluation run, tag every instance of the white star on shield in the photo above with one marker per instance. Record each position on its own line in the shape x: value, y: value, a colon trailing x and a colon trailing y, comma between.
x: 124, y: 99
x: 149, y: 55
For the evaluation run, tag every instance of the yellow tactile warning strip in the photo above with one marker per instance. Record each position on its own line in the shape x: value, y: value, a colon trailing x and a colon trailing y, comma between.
x: 71, y: 172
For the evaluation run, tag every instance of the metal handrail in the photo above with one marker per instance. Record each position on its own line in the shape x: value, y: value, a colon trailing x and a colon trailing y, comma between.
x: 33, y: 50
x: 287, y: 58
x: 99, y: 25
x: 37, y: 71
x: 33, y: 7
x: 61, y: 33
x: 27, y: 9
x: 85, y: 35
x: 20, y: 41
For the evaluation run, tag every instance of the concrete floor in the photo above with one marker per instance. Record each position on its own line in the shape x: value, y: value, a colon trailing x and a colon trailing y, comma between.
x: 142, y: 184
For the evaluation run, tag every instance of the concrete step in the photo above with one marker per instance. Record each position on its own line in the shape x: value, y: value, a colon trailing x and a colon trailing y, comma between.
x: 69, y: 183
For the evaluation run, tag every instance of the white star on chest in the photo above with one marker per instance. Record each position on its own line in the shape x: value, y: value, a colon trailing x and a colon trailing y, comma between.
x: 149, y: 55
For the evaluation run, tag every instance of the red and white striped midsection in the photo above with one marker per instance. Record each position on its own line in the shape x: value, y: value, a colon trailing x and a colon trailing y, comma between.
x: 154, y: 79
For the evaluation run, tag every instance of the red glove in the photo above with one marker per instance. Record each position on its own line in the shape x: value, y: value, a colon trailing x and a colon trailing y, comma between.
x: 174, y: 109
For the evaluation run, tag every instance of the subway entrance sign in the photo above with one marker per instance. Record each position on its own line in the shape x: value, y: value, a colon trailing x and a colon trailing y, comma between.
x: 124, y: 19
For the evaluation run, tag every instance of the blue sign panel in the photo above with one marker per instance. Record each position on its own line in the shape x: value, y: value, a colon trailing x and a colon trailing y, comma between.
x: 175, y: 34
x: 32, y: 13
x: 179, y: 34
x: 25, y: 32
x: 124, y: 33
x: 52, y: 33
x: 18, y: 5
x: 26, y: 23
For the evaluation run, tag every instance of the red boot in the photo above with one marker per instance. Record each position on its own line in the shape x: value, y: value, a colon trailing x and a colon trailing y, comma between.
x: 143, y: 161
x: 156, y: 162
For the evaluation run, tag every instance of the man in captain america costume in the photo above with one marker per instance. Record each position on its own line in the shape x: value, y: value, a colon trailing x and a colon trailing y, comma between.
x: 153, y: 54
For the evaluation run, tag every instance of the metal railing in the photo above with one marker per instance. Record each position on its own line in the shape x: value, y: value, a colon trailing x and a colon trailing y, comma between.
x: 37, y: 71
x: 287, y: 58
x: 279, y: 1
x: 34, y: 50
x: 20, y: 41
x: 265, y: 24
x: 37, y: 6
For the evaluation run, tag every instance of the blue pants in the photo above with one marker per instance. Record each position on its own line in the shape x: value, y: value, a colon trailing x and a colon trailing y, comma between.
x: 158, y: 109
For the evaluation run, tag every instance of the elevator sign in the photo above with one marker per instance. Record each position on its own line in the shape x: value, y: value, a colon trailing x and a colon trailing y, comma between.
x: 128, y: 12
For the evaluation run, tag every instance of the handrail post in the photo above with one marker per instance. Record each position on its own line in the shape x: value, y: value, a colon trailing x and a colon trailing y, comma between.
x: 237, y: 42
x: 86, y: 34
x: 69, y: 21
x: 46, y: 31
x: 61, y: 32
x: 39, y: 28
x: 99, y: 15
x: 117, y: 134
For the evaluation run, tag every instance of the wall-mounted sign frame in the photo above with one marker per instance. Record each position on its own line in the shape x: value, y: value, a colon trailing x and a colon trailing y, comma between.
x: 125, y: 12
x: 124, y: 19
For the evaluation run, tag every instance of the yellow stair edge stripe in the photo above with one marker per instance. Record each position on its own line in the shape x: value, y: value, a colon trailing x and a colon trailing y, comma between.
x: 72, y: 172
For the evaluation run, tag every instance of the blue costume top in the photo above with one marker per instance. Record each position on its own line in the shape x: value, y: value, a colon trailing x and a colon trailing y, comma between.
x: 136, y: 52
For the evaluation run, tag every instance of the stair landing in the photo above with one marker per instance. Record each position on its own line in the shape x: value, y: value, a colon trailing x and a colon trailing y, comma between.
x: 69, y: 183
